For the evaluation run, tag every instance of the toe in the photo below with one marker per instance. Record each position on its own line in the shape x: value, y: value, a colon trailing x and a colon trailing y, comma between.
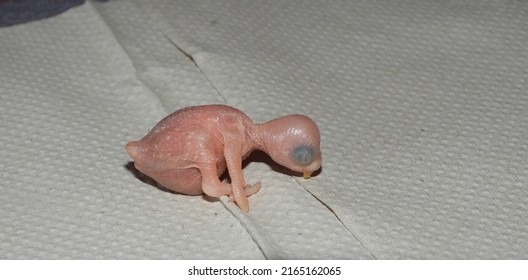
x: 252, y: 189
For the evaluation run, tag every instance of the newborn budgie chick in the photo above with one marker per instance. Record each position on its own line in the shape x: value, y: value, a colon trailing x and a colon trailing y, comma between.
x: 188, y: 150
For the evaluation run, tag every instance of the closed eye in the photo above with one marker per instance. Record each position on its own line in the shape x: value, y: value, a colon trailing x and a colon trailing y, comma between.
x: 303, y: 155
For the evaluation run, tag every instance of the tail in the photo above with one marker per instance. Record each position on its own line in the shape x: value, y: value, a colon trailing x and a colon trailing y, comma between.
x: 133, y: 148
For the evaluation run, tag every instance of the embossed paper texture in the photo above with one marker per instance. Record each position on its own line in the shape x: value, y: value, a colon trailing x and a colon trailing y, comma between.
x: 422, y: 108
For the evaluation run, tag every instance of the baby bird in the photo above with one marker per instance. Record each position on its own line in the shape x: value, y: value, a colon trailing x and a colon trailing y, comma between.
x: 188, y: 150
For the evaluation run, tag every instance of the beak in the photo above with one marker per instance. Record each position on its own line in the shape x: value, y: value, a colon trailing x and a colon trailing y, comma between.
x: 307, y: 174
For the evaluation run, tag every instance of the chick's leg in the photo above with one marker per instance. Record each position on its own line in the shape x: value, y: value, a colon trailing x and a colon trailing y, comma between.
x: 233, y: 157
x: 211, y: 185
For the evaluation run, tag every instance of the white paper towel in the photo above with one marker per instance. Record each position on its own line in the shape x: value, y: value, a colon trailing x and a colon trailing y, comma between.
x: 421, y: 106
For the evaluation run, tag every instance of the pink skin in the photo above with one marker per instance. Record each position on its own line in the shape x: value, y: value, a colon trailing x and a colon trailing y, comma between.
x: 188, y: 150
